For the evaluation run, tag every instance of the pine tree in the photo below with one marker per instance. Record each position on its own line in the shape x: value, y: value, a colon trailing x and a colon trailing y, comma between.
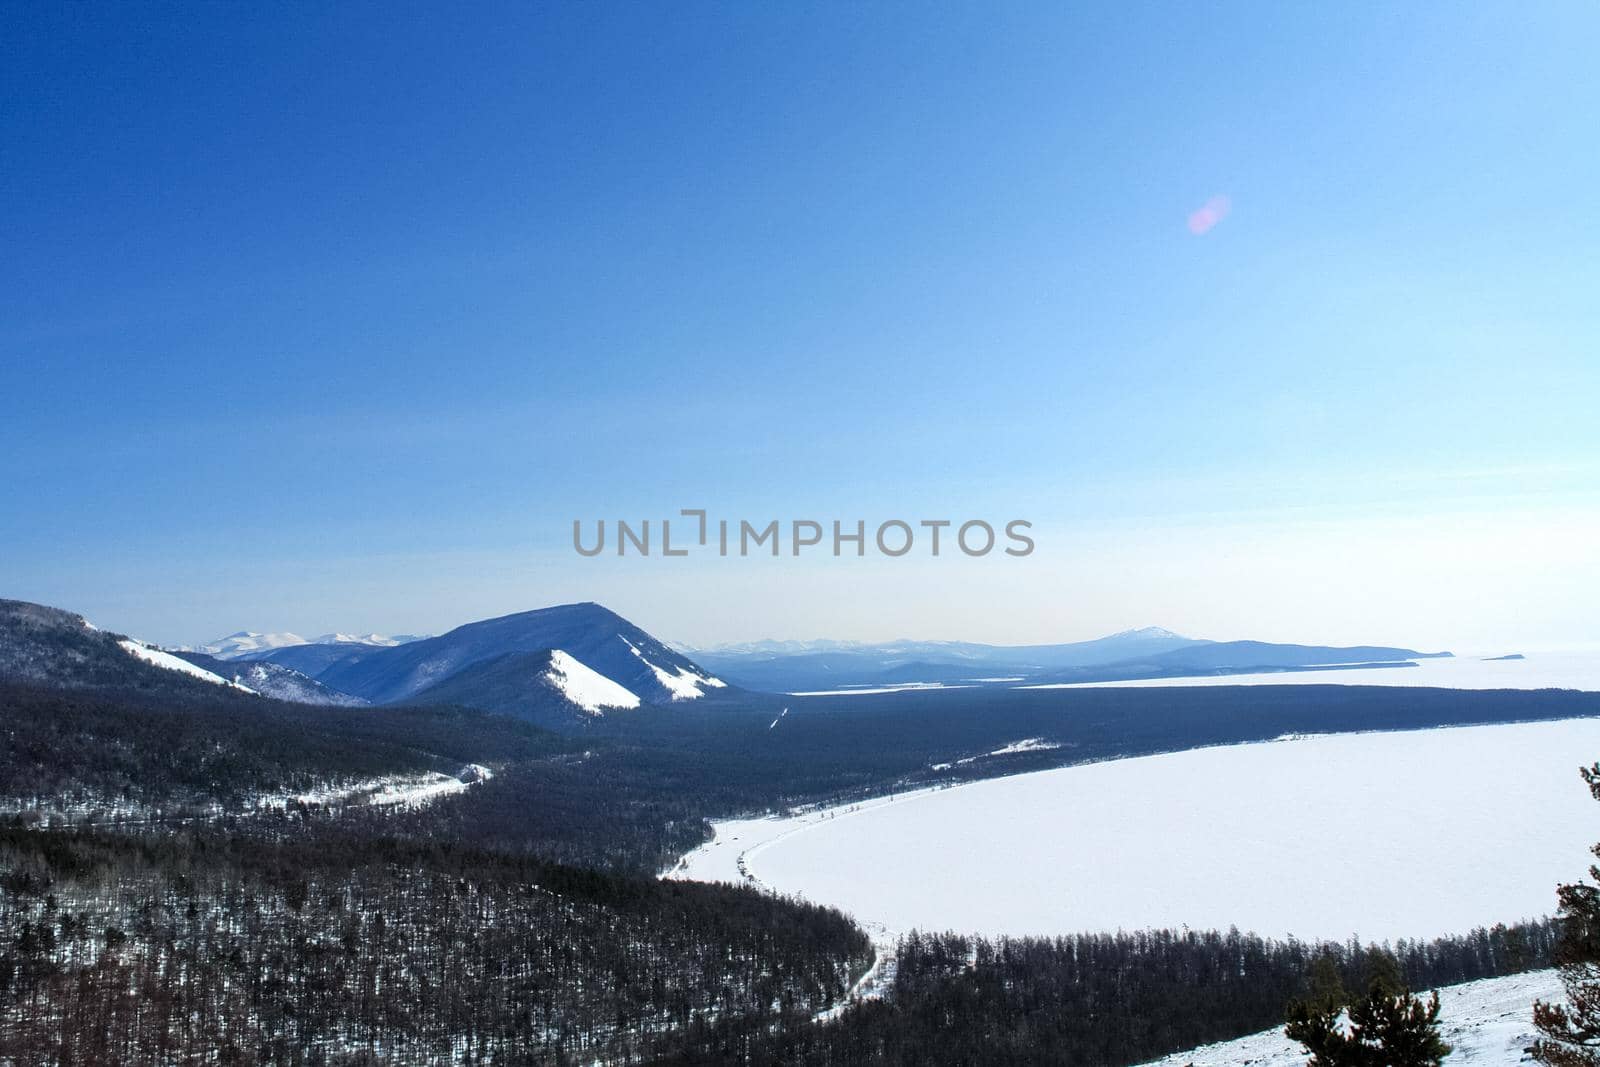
x: 1325, y: 985
x: 1572, y: 1030
x: 1387, y: 1028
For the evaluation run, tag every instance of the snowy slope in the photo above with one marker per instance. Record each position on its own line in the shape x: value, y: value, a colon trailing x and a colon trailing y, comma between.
x: 1385, y: 835
x: 272, y: 680
x: 588, y: 690
x: 552, y: 688
x: 1486, y: 1022
x: 681, y: 680
x: 157, y: 658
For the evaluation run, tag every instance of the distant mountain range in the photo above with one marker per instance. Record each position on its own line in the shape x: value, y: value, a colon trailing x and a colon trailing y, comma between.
x: 570, y: 665
x: 247, y: 644
x: 1150, y: 652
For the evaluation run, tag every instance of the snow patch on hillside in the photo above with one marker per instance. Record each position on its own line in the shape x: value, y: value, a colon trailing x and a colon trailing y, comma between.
x: 587, y: 688
x: 166, y: 660
x: 681, y: 682
x: 1488, y: 1021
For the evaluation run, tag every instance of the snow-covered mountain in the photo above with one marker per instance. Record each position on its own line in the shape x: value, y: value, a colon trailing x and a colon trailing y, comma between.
x: 375, y: 640
x: 248, y: 644
x: 594, y: 637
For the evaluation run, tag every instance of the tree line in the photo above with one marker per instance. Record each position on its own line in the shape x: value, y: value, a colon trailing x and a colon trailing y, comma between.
x: 1107, y: 999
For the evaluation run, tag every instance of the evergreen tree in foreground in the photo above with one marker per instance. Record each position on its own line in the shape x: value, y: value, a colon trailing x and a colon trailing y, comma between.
x: 1571, y: 1031
x: 1387, y: 1028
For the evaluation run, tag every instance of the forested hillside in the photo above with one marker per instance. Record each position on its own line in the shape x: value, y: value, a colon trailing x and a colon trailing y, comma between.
x: 327, y: 947
x: 1113, y: 999
x: 90, y: 755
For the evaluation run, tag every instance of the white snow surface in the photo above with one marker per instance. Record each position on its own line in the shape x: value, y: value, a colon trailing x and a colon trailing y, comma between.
x: 1486, y: 1022
x: 587, y: 688
x: 399, y: 791
x: 1383, y: 835
x: 1539, y: 670
x: 174, y: 663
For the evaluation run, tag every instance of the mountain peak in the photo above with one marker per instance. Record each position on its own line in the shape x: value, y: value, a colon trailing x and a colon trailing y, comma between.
x: 245, y: 642
x: 1151, y: 633
x: 596, y: 638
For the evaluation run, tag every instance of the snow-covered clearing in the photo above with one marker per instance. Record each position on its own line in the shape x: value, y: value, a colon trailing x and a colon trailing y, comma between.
x: 409, y: 791
x: 1384, y: 835
x: 406, y: 790
x: 1487, y: 1022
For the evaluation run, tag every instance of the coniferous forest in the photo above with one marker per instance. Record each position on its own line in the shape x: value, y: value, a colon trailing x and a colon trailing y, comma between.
x: 1114, y: 999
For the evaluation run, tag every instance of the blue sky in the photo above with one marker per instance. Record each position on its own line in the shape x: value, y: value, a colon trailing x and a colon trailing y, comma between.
x: 336, y: 319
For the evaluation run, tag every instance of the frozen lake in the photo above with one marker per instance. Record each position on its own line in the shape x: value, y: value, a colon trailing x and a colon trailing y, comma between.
x: 1539, y: 670
x: 1384, y: 835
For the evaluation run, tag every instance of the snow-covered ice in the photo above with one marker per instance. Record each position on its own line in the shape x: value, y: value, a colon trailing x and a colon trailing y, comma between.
x: 1487, y: 1022
x: 1537, y: 670
x: 898, y: 687
x: 1383, y: 835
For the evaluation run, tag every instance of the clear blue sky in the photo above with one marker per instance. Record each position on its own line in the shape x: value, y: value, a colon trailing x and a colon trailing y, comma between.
x: 337, y: 318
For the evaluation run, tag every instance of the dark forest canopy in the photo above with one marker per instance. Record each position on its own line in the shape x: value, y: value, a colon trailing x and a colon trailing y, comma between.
x: 1109, y: 999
